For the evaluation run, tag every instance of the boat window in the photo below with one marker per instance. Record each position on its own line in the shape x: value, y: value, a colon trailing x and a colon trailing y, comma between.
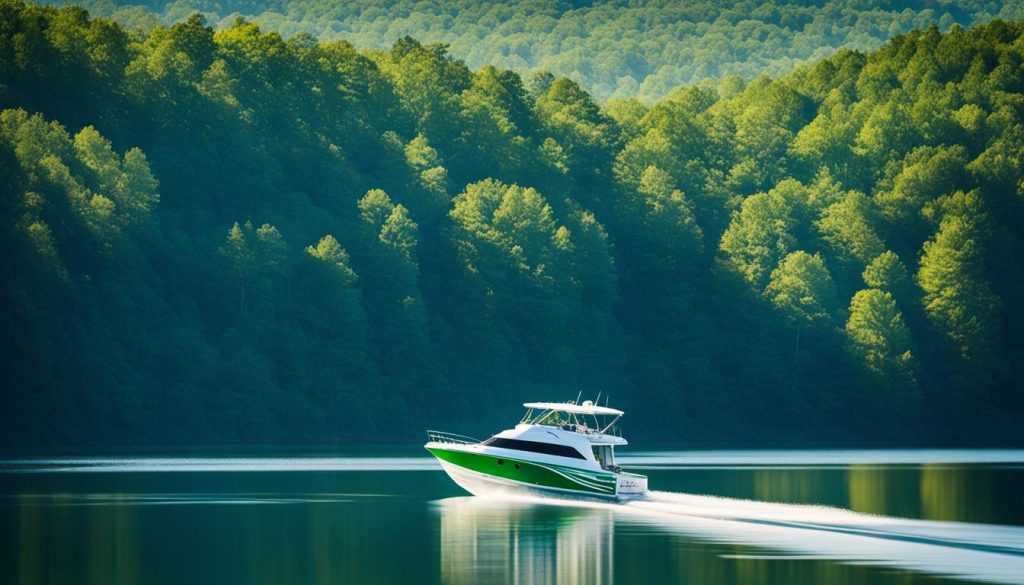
x: 534, y: 447
x: 552, y: 418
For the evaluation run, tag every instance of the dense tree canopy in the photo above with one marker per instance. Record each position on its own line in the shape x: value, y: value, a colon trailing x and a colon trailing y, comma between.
x: 226, y: 235
x: 615, y: 49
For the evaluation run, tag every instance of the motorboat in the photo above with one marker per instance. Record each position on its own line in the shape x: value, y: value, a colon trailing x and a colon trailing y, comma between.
x: 560, y: 448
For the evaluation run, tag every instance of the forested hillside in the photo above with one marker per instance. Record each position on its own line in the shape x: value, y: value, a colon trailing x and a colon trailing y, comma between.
x: 227, y: 236
x: 640, y: 48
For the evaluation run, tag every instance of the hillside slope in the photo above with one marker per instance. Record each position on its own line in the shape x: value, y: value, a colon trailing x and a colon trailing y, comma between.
x: 226, y: 236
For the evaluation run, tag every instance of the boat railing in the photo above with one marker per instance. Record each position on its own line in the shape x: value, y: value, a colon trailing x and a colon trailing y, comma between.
x: 443, y: 437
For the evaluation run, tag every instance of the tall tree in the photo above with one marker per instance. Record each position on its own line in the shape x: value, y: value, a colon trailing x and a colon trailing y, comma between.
x: 880, y: 342
x: 764, y: 231
x: 801, y: 287
x: 958, y: 299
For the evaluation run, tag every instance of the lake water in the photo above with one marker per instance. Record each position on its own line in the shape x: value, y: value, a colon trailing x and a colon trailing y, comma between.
x: 786, y: 517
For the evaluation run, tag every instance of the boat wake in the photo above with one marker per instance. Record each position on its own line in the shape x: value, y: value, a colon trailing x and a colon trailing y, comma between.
x: 979, y: 552
x: 980, y: 537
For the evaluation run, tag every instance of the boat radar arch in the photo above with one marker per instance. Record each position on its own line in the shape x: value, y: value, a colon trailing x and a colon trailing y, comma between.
x: 587, y: 408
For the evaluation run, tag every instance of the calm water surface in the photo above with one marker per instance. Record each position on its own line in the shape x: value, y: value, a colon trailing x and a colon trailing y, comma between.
x: 786, y: 517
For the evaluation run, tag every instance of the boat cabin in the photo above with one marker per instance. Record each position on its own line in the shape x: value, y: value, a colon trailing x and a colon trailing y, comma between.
x: 595, y: 423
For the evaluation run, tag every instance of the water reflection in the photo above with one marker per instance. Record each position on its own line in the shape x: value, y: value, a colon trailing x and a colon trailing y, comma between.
x: 231, y: 537
x: 56, y: 544
x: 501, y: 541
x: 791, y: 485
x: 380, y: 520
x: 872, y: 490
x: 950, y: 494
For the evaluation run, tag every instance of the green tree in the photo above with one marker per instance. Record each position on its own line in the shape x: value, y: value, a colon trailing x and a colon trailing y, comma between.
x: 669, y: 218
x: 331, y: 312
x: 375, y: 208
x: 578, y: 125
x: 957, y: 296
x: 256, y: 263
x: 420, y: 155
x: 771, y: 114
x: 801, y: 288
x: 333, y: 257
x: 764, y: 231
x: 960, y: 303
x: 926, y: 174
x: 848, y: 228
x: 237, y: 251
x: 880, y: 341
x: 399, y: 232
x: 888, y: 273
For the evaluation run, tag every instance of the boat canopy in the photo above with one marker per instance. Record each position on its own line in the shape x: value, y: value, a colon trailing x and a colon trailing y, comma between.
x: 586, y: 408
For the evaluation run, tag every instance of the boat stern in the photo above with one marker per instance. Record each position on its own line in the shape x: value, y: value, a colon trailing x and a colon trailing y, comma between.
x: 630, y: 484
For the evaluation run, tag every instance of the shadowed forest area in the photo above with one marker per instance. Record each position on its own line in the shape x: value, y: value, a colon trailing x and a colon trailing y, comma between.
x: 229, y: 236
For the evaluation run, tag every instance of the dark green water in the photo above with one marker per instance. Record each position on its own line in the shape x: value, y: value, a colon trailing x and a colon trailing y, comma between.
x: 870, y: 517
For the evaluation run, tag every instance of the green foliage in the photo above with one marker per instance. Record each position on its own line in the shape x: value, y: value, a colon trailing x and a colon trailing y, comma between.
x: 669, y: 215
x: 616, y: 49
x: 801, y: 287
x: 399, y: 232
x: 847, y: 227
x: 516, y: 222
x: 254, y: 259
x: 375, y: 208
x: 879, y: 336
x: 334, y: 258
x: 110, y: 193
x: 494, y: 240
x: 880, y: 340
x: 763, y: 231
x: 952, y: 274
x: 887, y: 273
x: 926, y: 174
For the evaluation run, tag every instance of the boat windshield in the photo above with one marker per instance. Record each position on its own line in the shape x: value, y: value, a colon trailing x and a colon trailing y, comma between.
x: 570, y: 421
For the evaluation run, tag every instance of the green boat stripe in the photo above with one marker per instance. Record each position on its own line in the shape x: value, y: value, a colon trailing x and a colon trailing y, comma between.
x: 585, y: 479
x: 580, y: 481
x: 594, y: 483
x: 589, y: 477
x: 587, y: 484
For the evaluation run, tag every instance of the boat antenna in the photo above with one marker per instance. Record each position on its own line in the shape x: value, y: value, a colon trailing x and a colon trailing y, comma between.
x: 578, y: 397
x: 598, y: 401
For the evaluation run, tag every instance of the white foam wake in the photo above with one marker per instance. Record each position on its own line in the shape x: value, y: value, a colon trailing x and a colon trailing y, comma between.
x: 979, y: 552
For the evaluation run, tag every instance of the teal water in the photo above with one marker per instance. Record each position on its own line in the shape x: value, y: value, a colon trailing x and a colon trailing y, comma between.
x: 786, y: 517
